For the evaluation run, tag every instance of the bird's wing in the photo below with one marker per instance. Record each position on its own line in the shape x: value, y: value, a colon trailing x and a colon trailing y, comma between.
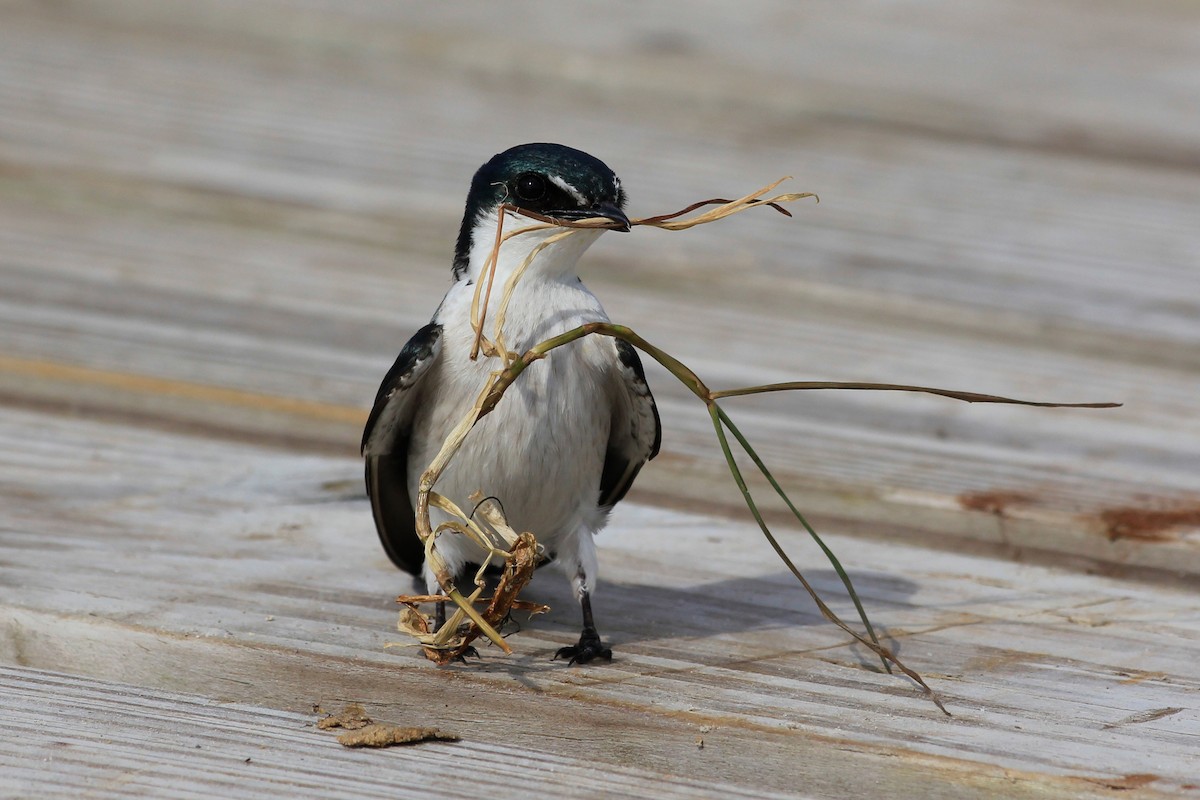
x: 635, y: 433
x: 385, y: 448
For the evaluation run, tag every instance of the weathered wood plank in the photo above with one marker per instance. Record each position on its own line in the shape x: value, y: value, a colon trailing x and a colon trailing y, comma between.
x: 116, y: 740
x: 980, y: 248
x: 223, y: 220
x: 257, y: 572
x: 904, y: 462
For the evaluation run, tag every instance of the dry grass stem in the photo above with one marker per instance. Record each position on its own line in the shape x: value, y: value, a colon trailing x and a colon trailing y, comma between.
x: 519, y: 553
x: 503, y: 546
x: 670, y: 222
x: 520, y: 557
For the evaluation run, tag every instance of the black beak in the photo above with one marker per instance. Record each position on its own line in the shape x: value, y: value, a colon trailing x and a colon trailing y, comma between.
x: 603, y: 210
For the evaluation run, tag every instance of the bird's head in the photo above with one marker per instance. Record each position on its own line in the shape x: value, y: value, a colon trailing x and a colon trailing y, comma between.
x: 549, y: 179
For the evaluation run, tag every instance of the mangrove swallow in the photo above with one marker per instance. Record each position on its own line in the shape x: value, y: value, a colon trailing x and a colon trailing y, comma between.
x: 567, y: 440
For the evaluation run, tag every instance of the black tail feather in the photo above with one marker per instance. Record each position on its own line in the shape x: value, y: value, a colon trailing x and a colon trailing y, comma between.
x: 395, y: 521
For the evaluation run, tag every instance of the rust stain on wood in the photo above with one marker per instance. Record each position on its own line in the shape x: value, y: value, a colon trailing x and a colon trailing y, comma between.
x: 362, y: 731
x: 994, y: 502
x: 1148, y: 524
x: 1125, y: 782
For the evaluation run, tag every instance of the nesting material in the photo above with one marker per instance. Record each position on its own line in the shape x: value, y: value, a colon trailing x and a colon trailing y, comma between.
x: 487, y: 526
x: 519, y: 552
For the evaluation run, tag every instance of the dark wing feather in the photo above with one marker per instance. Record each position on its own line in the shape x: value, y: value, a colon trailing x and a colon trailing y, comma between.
x: 635, y: 433
x: 385, y: 448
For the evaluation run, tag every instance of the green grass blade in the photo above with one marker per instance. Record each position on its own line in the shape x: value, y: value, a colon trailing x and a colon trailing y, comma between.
x: 837, y: 565
x: 878, y: 649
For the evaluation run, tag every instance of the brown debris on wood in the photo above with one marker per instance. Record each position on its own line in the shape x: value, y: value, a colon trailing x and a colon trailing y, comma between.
x: 1145, y: 716
x: 352, y: 717
x: 362, y: 731
x: 379, y: 735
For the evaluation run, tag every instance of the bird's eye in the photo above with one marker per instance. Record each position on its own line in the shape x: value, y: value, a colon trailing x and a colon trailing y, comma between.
x: 530, y: 186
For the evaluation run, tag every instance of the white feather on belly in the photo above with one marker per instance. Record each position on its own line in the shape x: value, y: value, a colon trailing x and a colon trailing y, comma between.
x: 541, y: 451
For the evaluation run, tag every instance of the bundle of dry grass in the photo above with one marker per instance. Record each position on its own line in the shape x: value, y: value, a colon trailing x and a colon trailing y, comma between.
x: 519, y: 551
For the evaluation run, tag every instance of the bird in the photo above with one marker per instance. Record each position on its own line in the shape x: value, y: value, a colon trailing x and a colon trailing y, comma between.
x: 568, y: 438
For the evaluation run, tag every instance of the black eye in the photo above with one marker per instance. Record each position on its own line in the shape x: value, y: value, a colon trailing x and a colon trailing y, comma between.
x: 530, y: 186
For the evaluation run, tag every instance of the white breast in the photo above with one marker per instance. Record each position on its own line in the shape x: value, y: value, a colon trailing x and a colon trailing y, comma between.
x: 541, y: 451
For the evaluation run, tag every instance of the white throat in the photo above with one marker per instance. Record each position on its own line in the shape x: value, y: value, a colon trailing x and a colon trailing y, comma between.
x: 554, y: 262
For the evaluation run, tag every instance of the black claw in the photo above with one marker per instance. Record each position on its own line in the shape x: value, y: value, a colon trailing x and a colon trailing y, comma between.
x: 469, y: 652
x: 511, y: 624
x: 589, y: 648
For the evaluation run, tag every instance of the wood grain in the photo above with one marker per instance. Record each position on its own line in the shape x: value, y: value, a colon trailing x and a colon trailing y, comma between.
x: 118, y: 740
x: 219, y: 222
x: 242, y: 573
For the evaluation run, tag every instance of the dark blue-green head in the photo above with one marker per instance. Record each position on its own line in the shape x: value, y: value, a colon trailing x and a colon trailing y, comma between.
x: 549, y: 179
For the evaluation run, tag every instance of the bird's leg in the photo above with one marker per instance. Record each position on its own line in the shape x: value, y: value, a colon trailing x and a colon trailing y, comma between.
x: 432, y: 586
x: 590, y: 647
x: 439, y: 617
x: 581, y: 566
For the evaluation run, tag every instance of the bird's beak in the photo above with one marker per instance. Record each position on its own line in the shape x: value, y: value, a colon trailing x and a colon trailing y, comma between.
x: 602, y: 210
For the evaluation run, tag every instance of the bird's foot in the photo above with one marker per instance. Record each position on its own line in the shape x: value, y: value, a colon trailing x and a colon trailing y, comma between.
x: 469, y: 652
x: 589, y: 648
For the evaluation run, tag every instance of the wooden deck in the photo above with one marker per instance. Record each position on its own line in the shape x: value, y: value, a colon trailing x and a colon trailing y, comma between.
x: 220, y: 220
